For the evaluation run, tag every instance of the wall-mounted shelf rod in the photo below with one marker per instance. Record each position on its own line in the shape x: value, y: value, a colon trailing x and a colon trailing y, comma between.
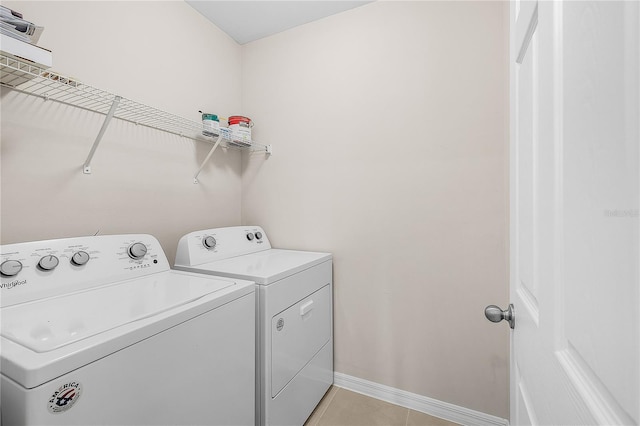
x: 31, y: 79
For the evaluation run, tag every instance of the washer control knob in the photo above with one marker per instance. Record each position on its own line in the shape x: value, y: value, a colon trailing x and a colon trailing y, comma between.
x: 79, y: 258
x: 10, y: 268
x: 259, y: 235
x: 48, y: 263
x: 209, y: 242
x: 250, y: 236
x: 137, y: 251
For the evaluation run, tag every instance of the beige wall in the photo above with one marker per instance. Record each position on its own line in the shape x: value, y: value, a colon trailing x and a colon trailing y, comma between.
x: 163, y: 54
x: 389, y: 131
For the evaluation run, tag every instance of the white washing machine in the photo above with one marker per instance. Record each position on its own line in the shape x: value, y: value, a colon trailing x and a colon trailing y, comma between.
x: 99, y: 330
x: 294, y: 360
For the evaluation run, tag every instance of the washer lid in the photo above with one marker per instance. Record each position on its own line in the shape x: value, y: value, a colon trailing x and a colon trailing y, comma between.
x: 49, y: 337
x: 264, y: 267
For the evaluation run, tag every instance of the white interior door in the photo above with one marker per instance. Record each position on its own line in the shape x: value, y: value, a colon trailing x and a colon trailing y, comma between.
x: 575, y: 97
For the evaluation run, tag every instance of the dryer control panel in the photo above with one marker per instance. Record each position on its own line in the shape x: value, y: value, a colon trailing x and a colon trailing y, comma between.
x: 214, y: 244
x: 38, y: 269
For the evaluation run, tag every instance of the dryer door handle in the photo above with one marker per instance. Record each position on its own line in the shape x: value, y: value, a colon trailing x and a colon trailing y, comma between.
x: 306, y: 308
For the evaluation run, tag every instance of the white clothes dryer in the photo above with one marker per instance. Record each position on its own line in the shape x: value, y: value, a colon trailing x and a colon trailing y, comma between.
x: 99, y: 330
x: 294, y: 325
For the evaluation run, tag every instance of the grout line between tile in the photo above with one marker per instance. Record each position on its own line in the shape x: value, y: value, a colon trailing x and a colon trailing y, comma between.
x: 406, y: 422
x: 333, y: 395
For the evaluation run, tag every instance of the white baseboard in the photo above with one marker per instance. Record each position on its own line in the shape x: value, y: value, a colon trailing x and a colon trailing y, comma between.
x: 433, y: 407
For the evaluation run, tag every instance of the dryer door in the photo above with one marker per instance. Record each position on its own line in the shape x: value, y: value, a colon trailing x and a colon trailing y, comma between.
x: 297, y: 334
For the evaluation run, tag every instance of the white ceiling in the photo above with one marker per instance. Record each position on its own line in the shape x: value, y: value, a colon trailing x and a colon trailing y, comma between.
x: 247, y: 21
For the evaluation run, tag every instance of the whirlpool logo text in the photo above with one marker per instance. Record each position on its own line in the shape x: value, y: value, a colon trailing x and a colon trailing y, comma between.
x: 12, y: 284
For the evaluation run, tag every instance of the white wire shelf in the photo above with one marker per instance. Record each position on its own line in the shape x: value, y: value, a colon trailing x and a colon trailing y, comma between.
x: 31, y: 79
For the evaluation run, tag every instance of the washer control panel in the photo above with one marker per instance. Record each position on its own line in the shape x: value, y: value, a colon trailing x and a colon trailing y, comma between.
x: 39, y: 269
x: 210, y: 245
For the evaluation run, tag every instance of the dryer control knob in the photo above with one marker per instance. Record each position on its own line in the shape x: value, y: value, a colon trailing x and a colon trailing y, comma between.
x: 79, y: 258
x: 48, y: 263
x: 259, y: 235
x: 209, y: 242
x: 250, y: 236
x: 10, y: 268
x: 137, y: 250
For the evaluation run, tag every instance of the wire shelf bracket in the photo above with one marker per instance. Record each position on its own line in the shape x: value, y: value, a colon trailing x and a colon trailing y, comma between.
x: 215, y: 145
x: 86, y: 168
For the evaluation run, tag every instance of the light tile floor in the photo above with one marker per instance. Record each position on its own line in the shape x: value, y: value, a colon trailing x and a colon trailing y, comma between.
x: 341, y: 407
